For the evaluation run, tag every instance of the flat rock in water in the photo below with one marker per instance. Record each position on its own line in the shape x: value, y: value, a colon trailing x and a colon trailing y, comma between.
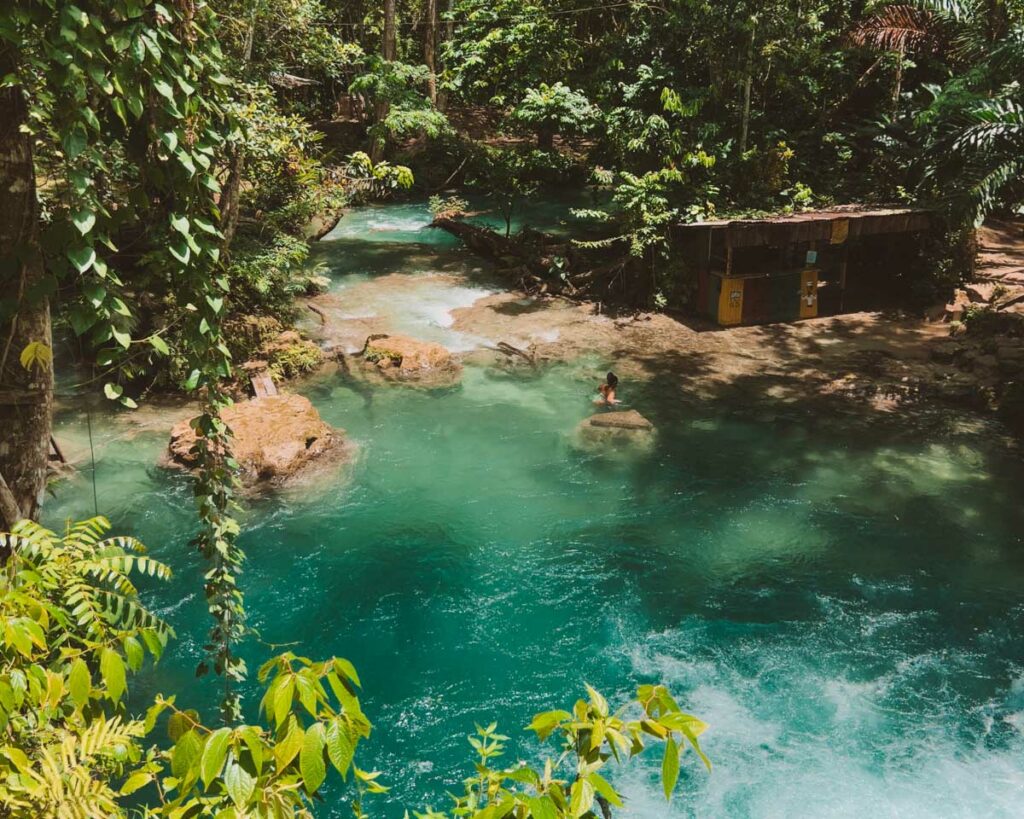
x: 626, y: 419
x: 607, y: 432
x: 400, y: 358
x: 275, y: 438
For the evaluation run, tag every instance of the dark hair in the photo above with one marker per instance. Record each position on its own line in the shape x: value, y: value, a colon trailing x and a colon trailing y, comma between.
x: 613, y: 380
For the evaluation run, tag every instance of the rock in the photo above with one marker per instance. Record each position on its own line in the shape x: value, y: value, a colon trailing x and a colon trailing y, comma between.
x: 615, y: 431
x: 956, y: 308
x: 1010, y: 356
x: 945, y: 351
x: 400, y: 358
x: 628, y: 419
x: 980, y: 292
x: 985, y: 362
x: 275, y: 438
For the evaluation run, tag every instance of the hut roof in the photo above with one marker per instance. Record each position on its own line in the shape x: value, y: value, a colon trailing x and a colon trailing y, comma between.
x: 818, y: 225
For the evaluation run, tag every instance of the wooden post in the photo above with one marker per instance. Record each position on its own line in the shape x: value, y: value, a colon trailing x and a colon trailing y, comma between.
x: 842, y: 276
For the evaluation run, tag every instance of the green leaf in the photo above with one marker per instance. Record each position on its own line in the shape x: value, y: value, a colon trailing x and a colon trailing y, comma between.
x: 180, y: 251
x: 311, y: 758
x: 670, y: 766
x: 180, y: 224
x: 112, y: 671
x: 75, y: 141
x: 603, y: 787
x: 164, y: 89
x: 136, y: 781
x: 122, y: 338
x: 185, y: 754
x: 170, y: 139
x: 214, y: 754
x: 239, y: 783
x: 283, y: 699
x: 84, y: 221
x: 582, y: 797
x: 346, y: 669
x: 82, y: 258
x: 133, y: 649
x: 340, y: 748
x: 112, y: 391
x: 159, y: 345
x: 79, y: 683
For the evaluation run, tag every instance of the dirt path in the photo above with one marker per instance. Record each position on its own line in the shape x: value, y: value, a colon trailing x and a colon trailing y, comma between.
x: 1001, y: 252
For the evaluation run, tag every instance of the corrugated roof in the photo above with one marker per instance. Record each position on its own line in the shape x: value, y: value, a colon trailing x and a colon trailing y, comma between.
x: 818, y: 225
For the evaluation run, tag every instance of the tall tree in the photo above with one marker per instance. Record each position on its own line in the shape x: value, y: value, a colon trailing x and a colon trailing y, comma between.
x: 26, y: 370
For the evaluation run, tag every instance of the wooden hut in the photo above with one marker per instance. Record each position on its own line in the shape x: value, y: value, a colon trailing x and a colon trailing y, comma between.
x: 781, y: 268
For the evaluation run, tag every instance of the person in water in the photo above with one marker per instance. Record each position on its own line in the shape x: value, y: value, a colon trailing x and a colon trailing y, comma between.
x: 607, y: 390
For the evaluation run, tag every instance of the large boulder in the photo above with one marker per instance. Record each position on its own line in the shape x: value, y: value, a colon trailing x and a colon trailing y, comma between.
x: 626, y: 429
x: 400, y: 358
x: 275, y: 438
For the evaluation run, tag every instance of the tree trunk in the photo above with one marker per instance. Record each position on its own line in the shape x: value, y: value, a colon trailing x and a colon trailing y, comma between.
x: 429, y: 49
x: 748, y: 83
x: 449, y: 34
x: 26, y: 394
x: 388, y: 50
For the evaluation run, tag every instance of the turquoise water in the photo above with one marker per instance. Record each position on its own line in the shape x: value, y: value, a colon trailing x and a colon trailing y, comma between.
x: 841, y: 603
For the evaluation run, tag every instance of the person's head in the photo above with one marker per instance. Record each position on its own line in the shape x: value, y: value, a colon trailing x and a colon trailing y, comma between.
x: 613, y: 380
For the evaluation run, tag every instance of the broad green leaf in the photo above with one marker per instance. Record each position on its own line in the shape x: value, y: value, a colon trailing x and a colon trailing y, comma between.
x: 311, y: 758
x: 133, y: 652
x: 84, y: 221
x: 122, y: 338
x: 164, y: 89
x: 340, y: 746
x: 75, y: 141
x: 136, y: 781
x: 113, y: 673
x: 670, y: 767
x: 283, y: 699
x: 214, y: 754
x: 239, y: 783
x: 112, y: 391
x: 159, y: 345
x: 185, y: 754
x: 79, y: 682
x: 179, y: 250
x: 286, y: 749
x: 180, y: 224
x: 82, y: 258
x: 603, y: 787
x: 346, y: 669
x: 581, y: 797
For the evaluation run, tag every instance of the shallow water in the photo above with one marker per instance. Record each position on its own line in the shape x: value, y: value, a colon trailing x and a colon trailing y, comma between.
x: 843, y: 606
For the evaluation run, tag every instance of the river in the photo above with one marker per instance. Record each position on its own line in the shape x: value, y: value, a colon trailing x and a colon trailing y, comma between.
x: 842, y: 607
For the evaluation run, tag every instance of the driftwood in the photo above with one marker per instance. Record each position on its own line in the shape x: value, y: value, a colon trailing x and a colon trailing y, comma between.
x: 319, y: 312
x: 509, y: 350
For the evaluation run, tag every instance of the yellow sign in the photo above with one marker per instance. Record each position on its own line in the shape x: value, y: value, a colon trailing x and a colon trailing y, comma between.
x: 840, y: 231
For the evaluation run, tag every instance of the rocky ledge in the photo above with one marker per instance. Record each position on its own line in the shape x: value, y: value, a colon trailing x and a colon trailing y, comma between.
x: 276, y: 438
x: 403, y: 359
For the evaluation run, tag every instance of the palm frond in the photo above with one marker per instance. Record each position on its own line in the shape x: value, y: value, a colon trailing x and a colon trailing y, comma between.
x: 900, y: 28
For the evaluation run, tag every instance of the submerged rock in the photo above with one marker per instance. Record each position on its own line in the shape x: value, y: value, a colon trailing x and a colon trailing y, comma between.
x: 616, y: 430
x: 400, y: 358
x: 276, y: 438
